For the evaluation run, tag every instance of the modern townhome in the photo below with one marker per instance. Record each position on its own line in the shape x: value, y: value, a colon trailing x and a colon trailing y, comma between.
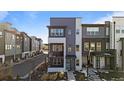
x: 18, y: 46
x: 36, y: 44
x: 25, y: 45
x: 64, y: 37
x: 7, y: 43
x: 117, y: 40
x: 40, y: 44
x: 73, y: 45
x: 96, y: 46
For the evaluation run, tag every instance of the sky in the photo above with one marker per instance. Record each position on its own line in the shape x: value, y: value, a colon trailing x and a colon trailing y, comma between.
x: 35, y: 23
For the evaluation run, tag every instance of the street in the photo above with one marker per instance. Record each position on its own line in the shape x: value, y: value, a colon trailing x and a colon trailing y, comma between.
x: 27, y: 66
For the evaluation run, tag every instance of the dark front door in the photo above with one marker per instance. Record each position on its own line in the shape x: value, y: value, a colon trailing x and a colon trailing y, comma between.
x: 0, y: 60
x: 70, y: 64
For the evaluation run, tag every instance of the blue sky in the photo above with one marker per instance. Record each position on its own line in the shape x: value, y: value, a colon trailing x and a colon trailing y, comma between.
x: 34, y: 23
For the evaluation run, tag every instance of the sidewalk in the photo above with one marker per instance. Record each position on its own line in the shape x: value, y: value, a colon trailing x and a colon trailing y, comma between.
x: 70, y: 76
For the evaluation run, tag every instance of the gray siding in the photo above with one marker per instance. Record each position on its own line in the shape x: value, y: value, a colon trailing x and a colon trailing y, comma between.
x: 2, y: 38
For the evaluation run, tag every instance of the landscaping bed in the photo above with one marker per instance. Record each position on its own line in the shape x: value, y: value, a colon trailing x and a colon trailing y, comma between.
x: 79, y: 76
x: 112, y: 76
x: 54, y: 76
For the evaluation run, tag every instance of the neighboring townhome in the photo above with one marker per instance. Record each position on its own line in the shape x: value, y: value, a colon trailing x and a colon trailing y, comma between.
x: 18, y: 47
x: 33, y: 45
x: 117, y: 40
x: 40, y: 44
x: 25, y: 45
x: 7, y: 43
x: 73, y: 45
x: 96, y: 46
x: 62, y: 44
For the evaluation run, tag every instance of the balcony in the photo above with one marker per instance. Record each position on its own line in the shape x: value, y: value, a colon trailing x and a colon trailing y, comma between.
x: 56, y: 54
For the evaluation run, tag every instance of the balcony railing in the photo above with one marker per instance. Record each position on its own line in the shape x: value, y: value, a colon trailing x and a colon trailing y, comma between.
x: 56, y: 54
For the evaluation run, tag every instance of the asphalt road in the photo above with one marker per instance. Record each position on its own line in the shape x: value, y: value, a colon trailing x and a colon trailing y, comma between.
x: 25, y: 67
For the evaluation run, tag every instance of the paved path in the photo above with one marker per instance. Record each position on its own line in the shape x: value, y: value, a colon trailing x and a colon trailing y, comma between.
x: 92, y: 76
x: 70, y: 76
x: 27, y: 66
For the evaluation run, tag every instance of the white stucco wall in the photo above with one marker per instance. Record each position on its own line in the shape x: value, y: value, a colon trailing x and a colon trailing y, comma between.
x: 58, y: 40
x: 3, y: 58
x: 79, y: 42
x: 119, y: 24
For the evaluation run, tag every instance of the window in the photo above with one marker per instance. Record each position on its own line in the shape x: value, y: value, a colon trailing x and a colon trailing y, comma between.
x: 6, y: 47
x: 57, y: 32
x: 18, y: 46
x: 86, y: 46
x: 107, y: 45
x: 0, y: 33
x: 17, y: 37
x: 57, y: 48
x: 107, y: 31
x: 13, y: 37
x: 122, y: 31
x: 77, y: 47
x: 92, y: 46
x: 69, y: 49
x: 92, y: 30
x: 69, y: 32
x: 77, y: 62
x: 98, y: 46
x: 117, y: 31
x: 77, y: 32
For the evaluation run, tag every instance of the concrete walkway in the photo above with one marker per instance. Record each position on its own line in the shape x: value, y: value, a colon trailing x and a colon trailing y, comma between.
x: 70, y: 76
x: 92, y: 74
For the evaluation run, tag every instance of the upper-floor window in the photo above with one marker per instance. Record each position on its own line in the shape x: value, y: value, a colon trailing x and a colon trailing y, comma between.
x: 122, y: 31
x: 77, y: 47
x: 0, y: 33
x: 92, y: 30
x: 77, y: 62
x: 17, y: 37
x: 69, y: 49
x: 117, y: 31
x: 107, y: 45
x: 107, y: 31
x: 98, y: 46
x: 57, y: 48
x: 86, y: 46
x: 57, y: 32
x: 69, y: 32
x: 13, y: 36
x: 92, y: 46
x: 77, y: 31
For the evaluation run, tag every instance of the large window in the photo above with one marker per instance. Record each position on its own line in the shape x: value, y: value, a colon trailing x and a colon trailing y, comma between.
x: 77, y: 62
x: 98, y: 46
x: 92, y: 30
x: 57, y: 32
x: 117, y: 31
x: 77, y: 47
x: 92, y: 46
x: 57, y: 48
x: 86, y: 46
x: 69, y: 49
x: 107, y: 31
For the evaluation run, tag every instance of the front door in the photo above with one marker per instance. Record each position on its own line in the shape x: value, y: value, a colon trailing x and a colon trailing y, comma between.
x: 70, y: 64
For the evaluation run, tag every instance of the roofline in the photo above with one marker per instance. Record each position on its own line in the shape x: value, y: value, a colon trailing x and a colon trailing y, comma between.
x: 64, y: 17
x: 117, y: 16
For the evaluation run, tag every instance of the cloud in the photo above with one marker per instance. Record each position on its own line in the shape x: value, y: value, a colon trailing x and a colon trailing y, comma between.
x: 108, y: 17
x: 3, y: 15
x: 33, y: 15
